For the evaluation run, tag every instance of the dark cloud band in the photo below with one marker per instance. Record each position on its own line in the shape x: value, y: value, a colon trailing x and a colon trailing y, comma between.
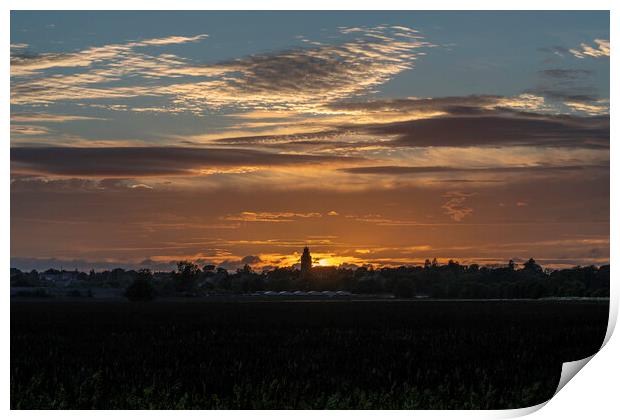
x: 400, y: 170
x: 145, y: 161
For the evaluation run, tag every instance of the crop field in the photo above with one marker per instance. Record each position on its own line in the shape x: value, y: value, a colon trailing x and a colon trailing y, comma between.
x: 301, y: 355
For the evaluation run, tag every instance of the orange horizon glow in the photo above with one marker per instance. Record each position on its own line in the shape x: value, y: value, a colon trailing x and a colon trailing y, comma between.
x: 370, y: 142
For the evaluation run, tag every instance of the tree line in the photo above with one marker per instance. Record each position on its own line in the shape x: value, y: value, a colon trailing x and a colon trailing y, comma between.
x: 451, y: 280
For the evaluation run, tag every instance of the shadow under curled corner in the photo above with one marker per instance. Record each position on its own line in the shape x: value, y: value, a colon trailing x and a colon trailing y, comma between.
x: 571, y: 368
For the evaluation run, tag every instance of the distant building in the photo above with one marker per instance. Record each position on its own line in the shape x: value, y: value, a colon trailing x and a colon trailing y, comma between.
x: 306, y: 263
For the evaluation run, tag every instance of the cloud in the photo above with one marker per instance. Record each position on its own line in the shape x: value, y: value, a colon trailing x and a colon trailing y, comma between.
x: 566, y: 73
x: 557, y: 50
x: 143, y: 186
x: 601, y: 49
x: 402, y: 170
x: 174, y: 39
x: 42, y: 117
x: 42, y: 79
x: 251, y: 259
x: 20, y: 130
x: 484, y: 120
x: 296, y: 138
x: 490, y: 129
x: 271, y: 217
x: 572, y: 91
x: 42, y: 184
x: 453, y: 105
x: 566, y: 89
x: 442, y: 104
x: 26, y: 63
x: 599, y: 107
x: 380, y: 220
x: 236, y: 264
x: 146, y: 161
x: 455, y: 207
x: 235, y: 170
x: 28, y: 130
x: 42, y: 264
x: 315, y: 74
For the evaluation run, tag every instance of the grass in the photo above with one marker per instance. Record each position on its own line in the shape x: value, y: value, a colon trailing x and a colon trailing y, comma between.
x: 275, y: 355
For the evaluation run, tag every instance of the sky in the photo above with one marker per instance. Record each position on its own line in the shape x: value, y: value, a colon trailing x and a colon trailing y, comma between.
x: 385, y: 138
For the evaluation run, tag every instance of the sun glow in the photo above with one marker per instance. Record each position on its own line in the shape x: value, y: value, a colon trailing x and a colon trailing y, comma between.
x: 325, y: 262
x: 330, y: 260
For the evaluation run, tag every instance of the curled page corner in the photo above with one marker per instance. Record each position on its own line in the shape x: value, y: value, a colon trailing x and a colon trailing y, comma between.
x: 612, y: 320
x: 569, y: 370
x: 519, y: 412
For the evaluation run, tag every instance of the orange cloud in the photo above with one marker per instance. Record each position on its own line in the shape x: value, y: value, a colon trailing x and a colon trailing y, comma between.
x: 273, y: 217
x: 455, y: 207
x: 602, y: 49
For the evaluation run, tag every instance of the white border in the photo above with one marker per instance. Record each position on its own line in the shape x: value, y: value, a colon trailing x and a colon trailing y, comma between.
x: 593, y: 394
x: 437, y: 5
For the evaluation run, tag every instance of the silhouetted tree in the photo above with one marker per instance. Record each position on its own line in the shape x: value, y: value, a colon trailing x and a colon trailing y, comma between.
x: 245, y: 270
x: 141, y: 289
x: 441, y: 281
x: 186, y: 276
x: 532, y: 266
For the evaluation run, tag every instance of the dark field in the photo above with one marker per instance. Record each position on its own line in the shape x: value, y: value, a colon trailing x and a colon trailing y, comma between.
x: 273, y: 355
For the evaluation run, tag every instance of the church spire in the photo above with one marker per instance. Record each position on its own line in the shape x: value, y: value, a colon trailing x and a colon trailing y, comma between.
x: 306, y: 262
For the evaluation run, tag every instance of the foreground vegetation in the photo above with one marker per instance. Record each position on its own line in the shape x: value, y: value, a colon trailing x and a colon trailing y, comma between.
x: 372, y: 354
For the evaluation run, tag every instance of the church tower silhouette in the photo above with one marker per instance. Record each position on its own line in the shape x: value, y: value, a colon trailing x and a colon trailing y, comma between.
x: 306, y: 263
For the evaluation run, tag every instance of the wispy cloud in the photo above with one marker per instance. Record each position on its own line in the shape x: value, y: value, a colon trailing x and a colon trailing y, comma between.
x: 174, y: 39
x: 27, y: 63
x: 445, y: 121
x: 455, y: 207
x: 598, y: 107
x: 42, y: 117
x: 315, y: 74
x: 271, y: 217
x: 566, y: 73
x: 402, y: 170
x: 28, y: 130
x: 42, y: 78
x: 572, y: 91
x: 601, y: 49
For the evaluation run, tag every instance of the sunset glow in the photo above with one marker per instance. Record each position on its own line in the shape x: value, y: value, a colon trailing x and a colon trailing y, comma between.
x: 376, y: 139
